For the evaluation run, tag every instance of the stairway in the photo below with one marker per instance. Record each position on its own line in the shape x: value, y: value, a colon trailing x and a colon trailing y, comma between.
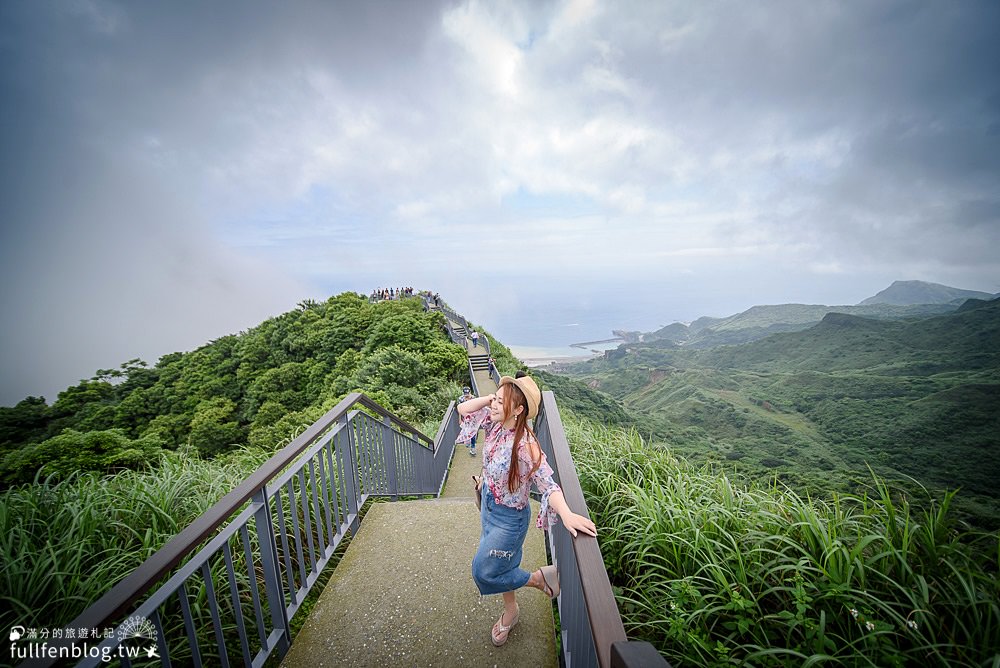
x: 480, y: 362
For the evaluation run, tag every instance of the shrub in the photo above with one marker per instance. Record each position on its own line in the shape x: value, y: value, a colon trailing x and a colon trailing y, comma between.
x: 74, y: 451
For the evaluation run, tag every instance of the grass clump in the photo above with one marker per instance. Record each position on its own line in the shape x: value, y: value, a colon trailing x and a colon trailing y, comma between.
x: 715, y: 572
x: 65, y: 542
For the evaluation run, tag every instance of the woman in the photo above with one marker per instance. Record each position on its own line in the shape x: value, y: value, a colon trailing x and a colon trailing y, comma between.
x: 508, y: 472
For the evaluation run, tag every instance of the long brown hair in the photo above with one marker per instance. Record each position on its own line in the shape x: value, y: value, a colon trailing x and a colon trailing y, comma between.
x: 513, y: 398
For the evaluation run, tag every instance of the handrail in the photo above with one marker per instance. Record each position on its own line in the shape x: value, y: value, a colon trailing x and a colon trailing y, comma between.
x: 342, y: 460
x: 456, y: 337
x: 329, y: 428
x: 446, y: 436
x: 586, y: 588
x: 472, y: 379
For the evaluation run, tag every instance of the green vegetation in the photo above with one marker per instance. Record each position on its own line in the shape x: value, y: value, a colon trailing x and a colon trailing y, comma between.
x: 759, y: 322
x: 254, y: 388
x: 715, y: 572
x: 759, y: 536
x: 66, y: 541
x: 916, y: 400
x: 583, y: 401
x: 120, y: 463
x: 921, y: 292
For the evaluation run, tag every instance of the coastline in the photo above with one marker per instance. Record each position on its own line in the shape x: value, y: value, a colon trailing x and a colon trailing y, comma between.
x: 586, y: 345
x: 539, y: 362
x: 540, y: 356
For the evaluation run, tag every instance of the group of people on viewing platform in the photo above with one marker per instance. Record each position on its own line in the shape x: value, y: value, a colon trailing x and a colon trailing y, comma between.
x: 385, y: 294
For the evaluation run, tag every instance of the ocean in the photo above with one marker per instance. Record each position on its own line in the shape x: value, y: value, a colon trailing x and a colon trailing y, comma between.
x: 545, y: 329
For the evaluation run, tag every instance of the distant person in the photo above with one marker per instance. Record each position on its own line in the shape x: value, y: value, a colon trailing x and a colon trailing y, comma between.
x: 512, y: 461
x: 471, y: 444
x: 475, y: 338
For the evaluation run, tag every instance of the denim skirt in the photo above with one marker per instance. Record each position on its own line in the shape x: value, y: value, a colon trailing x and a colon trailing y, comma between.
x: 496, y: 568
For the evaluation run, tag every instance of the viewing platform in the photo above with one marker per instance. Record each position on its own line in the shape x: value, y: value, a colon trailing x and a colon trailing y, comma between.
x: 402, y: 592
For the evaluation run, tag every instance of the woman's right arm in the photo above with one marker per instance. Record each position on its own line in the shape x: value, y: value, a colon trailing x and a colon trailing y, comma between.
x: 473, y: 405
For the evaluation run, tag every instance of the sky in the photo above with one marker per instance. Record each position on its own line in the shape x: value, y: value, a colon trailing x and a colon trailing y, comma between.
x: 174, y: 172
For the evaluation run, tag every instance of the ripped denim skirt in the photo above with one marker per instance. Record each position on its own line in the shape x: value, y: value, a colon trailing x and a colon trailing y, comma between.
x: 496, y: 568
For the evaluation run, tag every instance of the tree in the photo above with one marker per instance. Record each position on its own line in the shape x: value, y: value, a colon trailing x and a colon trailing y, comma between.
x: 23, y: 423
x: 407, y: 331
x: 213, y: 428
x: 286, y: 384
x: 391, y: 365
x: 71, y: 451
x: 446, y: 361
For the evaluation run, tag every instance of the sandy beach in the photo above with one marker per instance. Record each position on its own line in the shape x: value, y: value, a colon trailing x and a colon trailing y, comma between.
x: 534, y: 357
x: 535, y: 362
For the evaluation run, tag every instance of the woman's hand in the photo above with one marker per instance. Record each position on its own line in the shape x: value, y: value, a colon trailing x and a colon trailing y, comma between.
x: 473, y: 405
x: 574, y: 523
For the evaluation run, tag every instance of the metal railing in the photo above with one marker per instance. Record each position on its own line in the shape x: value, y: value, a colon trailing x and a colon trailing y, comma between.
x: 271, y: 537
x: 472, y: 380
x: 590, y: 624
x: 279, y: 529
x: 453, y: 334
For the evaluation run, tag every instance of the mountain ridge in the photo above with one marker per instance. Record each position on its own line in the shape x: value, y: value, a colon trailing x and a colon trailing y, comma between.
x: 913, y: 398
x: 900, y: 300
x: 902, y: 293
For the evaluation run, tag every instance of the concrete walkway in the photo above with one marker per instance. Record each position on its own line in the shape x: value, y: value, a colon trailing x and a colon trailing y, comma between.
x: 403, y: 593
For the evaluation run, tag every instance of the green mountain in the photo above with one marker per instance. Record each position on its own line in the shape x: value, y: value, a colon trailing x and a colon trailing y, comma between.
x: 903, y: 299
x: 920, y: 292
x: 758, y: 322
x: 918, y: 397
x: 257, y: 388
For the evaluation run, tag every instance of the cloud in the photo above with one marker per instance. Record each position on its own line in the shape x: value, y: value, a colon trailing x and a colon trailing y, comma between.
x: 231, y: 158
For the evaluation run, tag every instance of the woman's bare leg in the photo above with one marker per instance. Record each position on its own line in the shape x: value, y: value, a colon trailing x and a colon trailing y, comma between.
x: 509, y: 607
x: 536, y: 581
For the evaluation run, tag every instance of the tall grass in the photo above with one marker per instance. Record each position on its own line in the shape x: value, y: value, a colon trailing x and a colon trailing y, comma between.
x: 64, y: 543
x: 715, y: 572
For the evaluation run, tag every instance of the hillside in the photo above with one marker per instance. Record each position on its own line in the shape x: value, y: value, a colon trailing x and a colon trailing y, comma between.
x: 916, y: 397
x: 761, y: 321
x: 258, y: 388
x: 903, y: 299
x: 920, y: 292
x: 780, y: 564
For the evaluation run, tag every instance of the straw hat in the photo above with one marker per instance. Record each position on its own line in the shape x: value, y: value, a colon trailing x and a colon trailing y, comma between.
x: 531, y: 392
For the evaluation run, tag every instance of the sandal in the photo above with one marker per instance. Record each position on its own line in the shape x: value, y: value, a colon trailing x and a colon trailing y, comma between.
x: 550, y: 575
x: 503, y: 631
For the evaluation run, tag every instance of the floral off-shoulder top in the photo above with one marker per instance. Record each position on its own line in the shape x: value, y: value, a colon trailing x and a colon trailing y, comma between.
x: 496, y: 465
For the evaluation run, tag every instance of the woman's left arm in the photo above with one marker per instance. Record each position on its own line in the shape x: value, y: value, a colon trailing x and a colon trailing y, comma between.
x: 556, y: 501
x: 572, y: 521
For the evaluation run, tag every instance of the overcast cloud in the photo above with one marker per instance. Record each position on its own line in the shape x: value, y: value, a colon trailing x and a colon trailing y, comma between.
x: 174, y: 172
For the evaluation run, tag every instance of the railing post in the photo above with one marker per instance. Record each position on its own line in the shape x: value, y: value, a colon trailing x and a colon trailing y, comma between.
x: 348, y: 461
x: 389, y: 451
x: 273, y: 588
x: 636, y: 654
x: 472, y: 379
